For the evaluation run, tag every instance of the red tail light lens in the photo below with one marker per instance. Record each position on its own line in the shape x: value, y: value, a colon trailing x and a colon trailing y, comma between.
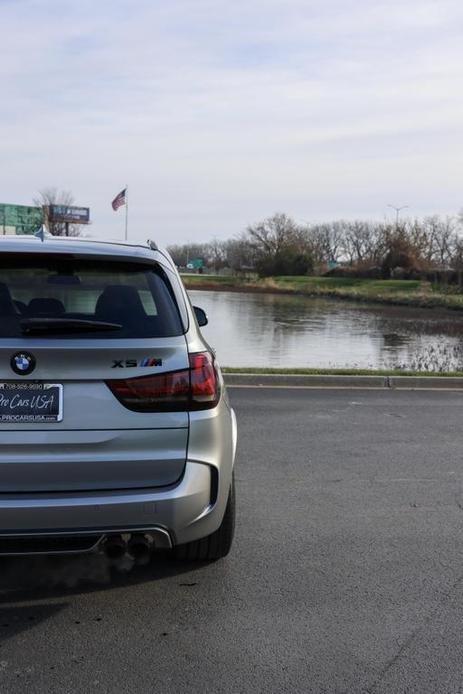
x: 163, y: 393
x: 196, y: 388
x: 205, y: 390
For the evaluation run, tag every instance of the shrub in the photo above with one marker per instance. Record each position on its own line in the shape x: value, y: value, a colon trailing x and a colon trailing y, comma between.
x: 286, y: 262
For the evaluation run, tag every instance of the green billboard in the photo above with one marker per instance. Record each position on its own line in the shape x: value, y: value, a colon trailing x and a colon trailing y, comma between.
x: 195, y: 264
x: 20, y: 219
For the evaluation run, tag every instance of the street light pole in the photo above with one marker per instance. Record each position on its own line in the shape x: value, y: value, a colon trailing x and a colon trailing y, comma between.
x: 397, y: 212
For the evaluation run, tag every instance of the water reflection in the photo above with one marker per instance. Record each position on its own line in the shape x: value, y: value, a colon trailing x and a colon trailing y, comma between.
x: 281, y: 330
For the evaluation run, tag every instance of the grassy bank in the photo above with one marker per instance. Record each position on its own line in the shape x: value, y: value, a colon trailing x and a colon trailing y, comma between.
x: 396, y: 292
x: 338, y: 372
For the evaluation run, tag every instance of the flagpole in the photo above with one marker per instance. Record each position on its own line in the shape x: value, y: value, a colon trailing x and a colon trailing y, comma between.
x: 126, y: 209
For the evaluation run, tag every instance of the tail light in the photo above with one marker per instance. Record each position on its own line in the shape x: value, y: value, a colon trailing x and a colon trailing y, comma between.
x: 196, y: 388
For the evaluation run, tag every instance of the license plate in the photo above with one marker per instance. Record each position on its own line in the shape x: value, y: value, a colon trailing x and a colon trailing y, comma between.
x: 26, y: 403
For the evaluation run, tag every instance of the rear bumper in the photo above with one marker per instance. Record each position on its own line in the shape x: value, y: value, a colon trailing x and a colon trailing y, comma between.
x: 181, y: 513
x: 188, y: 510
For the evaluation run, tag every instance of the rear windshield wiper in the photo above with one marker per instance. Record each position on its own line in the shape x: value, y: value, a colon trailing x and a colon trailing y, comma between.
x: 31, y: 326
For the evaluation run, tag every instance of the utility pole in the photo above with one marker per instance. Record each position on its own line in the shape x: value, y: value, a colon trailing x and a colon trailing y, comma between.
x: 397, y: 212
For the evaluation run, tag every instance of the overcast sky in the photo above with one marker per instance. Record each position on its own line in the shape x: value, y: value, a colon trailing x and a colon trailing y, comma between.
x: 219, y: 113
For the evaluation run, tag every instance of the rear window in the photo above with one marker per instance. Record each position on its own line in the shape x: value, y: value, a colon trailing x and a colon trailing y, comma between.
x: 67, y: 297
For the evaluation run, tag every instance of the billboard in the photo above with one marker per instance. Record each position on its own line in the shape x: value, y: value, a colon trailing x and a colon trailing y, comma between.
x: 20, y: 219
x: 69, y: 214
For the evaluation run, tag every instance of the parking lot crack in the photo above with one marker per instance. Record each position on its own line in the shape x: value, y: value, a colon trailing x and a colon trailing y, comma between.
x: 392, y: 661
x: 458, y: 502
x: 370, y: 689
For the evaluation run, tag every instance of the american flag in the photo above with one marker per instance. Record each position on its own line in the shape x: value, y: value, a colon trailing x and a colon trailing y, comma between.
x: 119, y: 200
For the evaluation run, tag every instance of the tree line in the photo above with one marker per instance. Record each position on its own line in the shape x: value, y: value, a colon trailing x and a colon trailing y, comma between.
x: 279, y: 245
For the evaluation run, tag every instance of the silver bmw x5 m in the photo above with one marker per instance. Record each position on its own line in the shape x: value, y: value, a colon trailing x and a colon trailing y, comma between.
x: 116, y: 432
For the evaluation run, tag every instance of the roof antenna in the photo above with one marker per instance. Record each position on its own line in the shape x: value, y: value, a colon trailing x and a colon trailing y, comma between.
x: 40, y: 234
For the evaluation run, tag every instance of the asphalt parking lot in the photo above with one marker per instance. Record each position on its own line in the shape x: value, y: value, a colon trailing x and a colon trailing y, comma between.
x: 346, y: 574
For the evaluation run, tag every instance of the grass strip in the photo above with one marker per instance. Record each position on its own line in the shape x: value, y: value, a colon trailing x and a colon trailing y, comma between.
x: 395, y: 292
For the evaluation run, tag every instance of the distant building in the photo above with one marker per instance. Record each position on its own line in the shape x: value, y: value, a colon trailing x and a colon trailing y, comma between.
x: 20, y: 219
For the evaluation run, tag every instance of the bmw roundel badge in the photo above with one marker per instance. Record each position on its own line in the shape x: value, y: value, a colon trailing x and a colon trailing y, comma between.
x: 22, y: 363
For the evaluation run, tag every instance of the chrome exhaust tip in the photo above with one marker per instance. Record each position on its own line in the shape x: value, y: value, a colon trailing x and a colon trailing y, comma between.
x: 139, y: 549
x: 115, y: 547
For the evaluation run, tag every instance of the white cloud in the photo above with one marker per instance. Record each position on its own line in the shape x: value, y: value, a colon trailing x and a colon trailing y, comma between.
x: 218, y: 113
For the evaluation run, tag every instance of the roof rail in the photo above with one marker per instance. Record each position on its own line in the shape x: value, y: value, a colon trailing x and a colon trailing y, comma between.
x: 151, y: 244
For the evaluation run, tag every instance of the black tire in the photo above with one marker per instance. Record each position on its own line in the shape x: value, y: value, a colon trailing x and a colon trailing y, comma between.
x: 216, y: 545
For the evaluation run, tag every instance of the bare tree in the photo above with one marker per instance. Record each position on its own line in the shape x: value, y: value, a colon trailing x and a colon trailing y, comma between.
x: 216, y: 254
x: 442, y: 238
x: 179, y: 254
x: 280, y: 246
x: 363, y: 242
x: 457, y: 259
x: 375, y: 242
x: 240, y: 254
x: 182, y: 254
x: 328, y: 240
x: 52, y: 196
x: 270, y: 236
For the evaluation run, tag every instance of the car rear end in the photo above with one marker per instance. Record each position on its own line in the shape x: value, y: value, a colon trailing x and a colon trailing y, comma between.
x: 114, y: 421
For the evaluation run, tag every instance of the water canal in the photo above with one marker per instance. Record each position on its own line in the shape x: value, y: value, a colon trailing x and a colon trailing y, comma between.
x: 274, y: 330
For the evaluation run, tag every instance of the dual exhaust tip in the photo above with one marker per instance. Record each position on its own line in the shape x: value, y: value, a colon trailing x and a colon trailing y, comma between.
x: 138, y: 547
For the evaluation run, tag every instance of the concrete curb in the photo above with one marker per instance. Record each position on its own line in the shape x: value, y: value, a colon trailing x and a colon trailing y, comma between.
x: 338, y: 381
x: 426, y: 382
